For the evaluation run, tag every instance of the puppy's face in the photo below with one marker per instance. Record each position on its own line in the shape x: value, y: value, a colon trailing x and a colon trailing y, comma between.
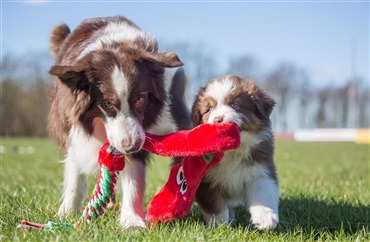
x: 233, y: 99
x: 123, y: 88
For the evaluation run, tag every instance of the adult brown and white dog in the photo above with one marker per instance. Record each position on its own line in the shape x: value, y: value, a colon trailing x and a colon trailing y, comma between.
x: 246, y: 175
x: 110, y: 85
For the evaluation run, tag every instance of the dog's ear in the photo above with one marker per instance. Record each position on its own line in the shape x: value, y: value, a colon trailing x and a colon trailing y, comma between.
x: 167, y: 59
x: 264, y: 103
x: 57, y: 37
x: 69, y: 75
x: 75, y: 79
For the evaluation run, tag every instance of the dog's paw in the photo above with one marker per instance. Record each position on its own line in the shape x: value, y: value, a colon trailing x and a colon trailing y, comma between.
x: 132, y: 221
x: 263, y: 218
x: 64, y: 210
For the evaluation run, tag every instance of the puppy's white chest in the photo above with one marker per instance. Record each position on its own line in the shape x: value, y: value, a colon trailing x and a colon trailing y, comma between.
x: 233, y: 173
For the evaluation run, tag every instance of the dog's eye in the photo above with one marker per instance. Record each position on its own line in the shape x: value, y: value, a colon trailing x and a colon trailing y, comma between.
x: 108, y: 104
x: 234, y: 105
x: 141, y: 99
x: 210, y: 108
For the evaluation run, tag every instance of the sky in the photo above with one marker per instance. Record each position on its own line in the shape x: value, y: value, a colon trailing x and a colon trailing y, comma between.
x: 329, y: 39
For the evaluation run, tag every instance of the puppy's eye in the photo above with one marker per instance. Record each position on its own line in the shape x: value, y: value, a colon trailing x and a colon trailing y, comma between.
x: 234, y: 105
x: 108, y: 104
x: 210, y: 108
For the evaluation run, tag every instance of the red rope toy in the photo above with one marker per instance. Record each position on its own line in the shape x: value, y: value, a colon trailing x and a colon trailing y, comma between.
x: 202, y: 148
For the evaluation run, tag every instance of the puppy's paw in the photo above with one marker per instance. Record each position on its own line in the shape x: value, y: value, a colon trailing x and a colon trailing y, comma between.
x: 214, y: 220
x: 263, y: 218
x: 132, y: 221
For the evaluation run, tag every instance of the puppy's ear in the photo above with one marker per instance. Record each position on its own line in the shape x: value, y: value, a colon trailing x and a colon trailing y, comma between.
x: 71, y: 76
x: 196, y: 110
x: 167, y: 59
x: 264, y: 103
x: 195, y: 114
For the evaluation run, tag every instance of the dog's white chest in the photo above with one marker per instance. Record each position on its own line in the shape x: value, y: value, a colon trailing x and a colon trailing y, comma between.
x: 83, y: 151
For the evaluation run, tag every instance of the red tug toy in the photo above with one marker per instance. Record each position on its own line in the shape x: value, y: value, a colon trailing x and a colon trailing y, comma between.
x: 210, y: 140
x: 201, y: 147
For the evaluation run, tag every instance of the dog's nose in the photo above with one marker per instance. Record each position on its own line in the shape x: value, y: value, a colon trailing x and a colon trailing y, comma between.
x: 218, y: 119
x: 129, y: 146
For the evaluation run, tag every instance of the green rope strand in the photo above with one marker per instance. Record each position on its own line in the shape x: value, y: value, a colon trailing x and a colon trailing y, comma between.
x: 103, y: 192
x: 96, y: 206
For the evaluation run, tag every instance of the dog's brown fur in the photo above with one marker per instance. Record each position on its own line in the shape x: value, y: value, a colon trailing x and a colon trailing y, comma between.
x: 110, y: 85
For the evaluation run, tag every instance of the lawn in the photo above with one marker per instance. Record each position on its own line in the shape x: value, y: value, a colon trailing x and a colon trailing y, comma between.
x: 324, y: 191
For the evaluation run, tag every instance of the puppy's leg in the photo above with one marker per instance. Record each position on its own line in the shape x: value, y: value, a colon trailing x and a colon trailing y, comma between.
x: 213, y: 205
x: 262, y: 199
x: 213, y: 219
x: 231, y: 213
x: 133, y: 187
x: 74, y: 188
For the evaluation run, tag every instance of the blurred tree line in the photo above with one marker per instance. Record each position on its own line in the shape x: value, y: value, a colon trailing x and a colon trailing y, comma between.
x: 25, y: 90
x: 300, y: 103
x: 26, y: 87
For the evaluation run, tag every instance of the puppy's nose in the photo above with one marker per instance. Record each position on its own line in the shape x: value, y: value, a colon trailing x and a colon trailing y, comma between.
x: 218, y: 119
x: 129, y: 146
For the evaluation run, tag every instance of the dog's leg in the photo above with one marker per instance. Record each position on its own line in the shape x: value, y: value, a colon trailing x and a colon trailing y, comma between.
x: 262, y: 199
x: 74, y: 188
x: 133, y: 188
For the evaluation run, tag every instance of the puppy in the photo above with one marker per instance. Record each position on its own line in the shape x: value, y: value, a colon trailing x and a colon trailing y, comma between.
x: 244, y: 176
x: 110, y: 85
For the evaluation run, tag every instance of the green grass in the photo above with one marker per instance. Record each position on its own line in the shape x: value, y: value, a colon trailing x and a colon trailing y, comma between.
x: 324, y: 190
